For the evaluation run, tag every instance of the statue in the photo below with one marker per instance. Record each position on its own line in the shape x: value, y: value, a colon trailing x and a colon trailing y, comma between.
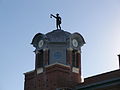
x: 58, y: 20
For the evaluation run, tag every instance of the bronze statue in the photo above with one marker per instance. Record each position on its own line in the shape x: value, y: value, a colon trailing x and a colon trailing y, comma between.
x: 58, y: 20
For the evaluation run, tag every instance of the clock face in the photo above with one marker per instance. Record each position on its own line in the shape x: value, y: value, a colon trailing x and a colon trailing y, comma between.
x: 75, y: 43
x: 40, y: 44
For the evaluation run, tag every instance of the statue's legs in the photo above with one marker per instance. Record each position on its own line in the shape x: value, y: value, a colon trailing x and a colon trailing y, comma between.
x: 59, y: 26
x: 56, y: 25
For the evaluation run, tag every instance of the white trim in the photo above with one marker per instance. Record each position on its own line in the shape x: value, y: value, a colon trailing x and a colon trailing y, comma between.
x: 39, y: 70
x: 70, y: 49
x: 76, y: 70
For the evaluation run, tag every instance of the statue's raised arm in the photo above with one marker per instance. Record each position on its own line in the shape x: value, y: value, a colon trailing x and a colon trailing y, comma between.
x: 51, y: 15
x: 58, y: 20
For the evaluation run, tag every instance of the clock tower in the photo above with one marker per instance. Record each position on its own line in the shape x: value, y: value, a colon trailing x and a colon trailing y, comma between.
x: 57, y: 61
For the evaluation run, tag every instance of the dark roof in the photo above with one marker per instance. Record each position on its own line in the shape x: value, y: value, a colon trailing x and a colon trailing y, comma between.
x: 100, y: 80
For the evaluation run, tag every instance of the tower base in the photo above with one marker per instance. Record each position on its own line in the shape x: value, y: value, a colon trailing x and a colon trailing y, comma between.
x: 53, y: 77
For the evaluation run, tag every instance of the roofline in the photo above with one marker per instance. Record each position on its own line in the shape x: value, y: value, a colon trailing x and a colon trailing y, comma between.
x: 28, y: 72
x: 103, y: 73
x: 101, y: 84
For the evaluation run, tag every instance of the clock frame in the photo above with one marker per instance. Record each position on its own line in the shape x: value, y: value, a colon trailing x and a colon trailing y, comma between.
x: 75, y: 43
x: 40, y: 43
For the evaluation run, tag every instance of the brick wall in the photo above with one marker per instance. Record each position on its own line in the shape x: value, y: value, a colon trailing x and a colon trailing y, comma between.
x: 54, y: 76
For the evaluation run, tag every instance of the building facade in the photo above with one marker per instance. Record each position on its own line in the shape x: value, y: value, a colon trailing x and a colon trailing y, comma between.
x: 57, y: 63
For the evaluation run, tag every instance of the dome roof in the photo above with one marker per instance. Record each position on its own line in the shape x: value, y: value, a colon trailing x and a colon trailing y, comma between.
x: 58, y: 36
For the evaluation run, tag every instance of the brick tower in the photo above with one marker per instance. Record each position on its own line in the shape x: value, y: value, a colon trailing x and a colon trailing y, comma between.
x: 57, y: 62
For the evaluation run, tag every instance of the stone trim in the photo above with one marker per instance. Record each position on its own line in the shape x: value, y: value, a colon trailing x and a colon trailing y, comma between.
x: 29, y: 72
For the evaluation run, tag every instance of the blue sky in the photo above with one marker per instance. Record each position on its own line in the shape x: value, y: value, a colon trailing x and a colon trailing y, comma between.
x: 97, y: 20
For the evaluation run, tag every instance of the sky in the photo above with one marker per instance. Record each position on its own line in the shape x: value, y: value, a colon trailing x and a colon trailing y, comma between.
x: 98, y: 21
